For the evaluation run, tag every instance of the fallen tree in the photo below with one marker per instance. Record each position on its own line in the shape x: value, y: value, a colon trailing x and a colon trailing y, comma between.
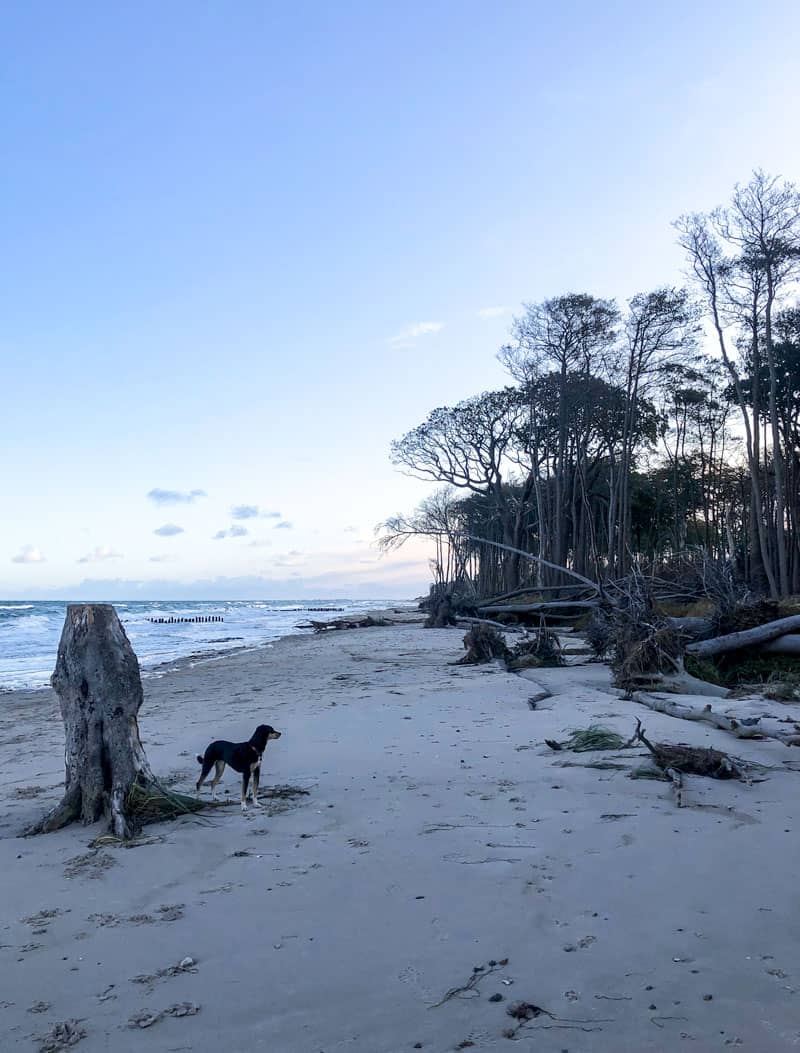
x: 748, y: 638
x: 707, y: 715
x: 542, y: 607
x: 788, y: 645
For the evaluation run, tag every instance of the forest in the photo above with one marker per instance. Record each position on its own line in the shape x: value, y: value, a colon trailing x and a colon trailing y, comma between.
x: 659, y: 437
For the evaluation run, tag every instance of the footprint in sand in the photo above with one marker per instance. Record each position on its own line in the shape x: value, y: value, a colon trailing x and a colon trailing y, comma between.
x: 63, y: 1035
x: 583, y: 943
x: 185, y: 965
x: 172, y: 912
x: 146, y: 1018
x: 38, y: 921
x: 90, y: 865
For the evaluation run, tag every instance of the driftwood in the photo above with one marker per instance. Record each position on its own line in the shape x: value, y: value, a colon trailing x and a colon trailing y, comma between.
x: 100, y: 692
x: 707, y: 715
x: 762, y: 634
x: 349, y: 623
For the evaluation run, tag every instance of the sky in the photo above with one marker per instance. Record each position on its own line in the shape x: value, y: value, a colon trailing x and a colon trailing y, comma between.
x: 248, y: 244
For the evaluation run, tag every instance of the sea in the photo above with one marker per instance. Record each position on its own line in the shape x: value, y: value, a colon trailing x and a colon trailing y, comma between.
x: 163, y: 631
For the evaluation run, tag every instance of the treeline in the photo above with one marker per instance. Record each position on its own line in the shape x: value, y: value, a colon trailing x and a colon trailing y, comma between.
x: 617, y: 442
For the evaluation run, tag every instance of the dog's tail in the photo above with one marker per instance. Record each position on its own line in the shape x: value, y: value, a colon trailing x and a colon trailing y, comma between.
x: 199, y: 758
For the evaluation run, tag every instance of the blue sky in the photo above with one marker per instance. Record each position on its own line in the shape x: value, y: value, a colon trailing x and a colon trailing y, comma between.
x: 248, y: 244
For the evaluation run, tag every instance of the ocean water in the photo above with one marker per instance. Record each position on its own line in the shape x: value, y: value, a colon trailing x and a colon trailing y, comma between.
x: 29, y: 632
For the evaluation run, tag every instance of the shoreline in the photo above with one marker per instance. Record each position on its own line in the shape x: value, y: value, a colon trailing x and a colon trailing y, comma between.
x: 439, y: 834
x: 163, y: 632
x: 399, y: 616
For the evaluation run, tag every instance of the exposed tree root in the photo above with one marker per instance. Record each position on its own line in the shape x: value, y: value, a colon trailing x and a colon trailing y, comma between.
x: 677, y: 760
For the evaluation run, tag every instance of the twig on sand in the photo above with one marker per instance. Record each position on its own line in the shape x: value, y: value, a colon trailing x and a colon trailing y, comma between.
x: 479, y: 972
x: 655, y: 1019
x: 540, y: 696
x: 524, y: 1012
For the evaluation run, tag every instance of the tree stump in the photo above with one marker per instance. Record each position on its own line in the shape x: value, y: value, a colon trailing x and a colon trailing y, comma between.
x: 99, y: 691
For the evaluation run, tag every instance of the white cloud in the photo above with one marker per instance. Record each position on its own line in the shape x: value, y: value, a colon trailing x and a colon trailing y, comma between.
x: 283, y: 525
x: 28, y: 554
x: 163, y: 558
x: 175, y: 497
x: 97, y: 555
x: 244, y: 511
x: 252, y: 512
x: 235, y: 531
x: 492, y: 312
x: 409, y: 336
x: 168, y: 530
x: 260, y: 543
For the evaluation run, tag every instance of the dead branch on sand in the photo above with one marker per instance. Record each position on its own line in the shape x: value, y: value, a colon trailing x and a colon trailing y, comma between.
x: 479, y: 972
x: 707, y: 715
x: 350, y: 623
x: 677, y: 759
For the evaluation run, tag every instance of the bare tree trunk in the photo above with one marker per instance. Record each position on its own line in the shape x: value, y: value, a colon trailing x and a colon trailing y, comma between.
x: 100, y: 692
x: 777, y: 450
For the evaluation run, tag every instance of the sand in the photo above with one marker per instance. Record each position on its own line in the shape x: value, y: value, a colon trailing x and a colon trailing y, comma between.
x: 439, y: 834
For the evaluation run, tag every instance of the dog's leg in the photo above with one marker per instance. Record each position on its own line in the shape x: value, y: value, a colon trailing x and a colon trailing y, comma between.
x: 256, y: 777
x: 220, y: 764
x: 245, y: 781
x: 203, y: 776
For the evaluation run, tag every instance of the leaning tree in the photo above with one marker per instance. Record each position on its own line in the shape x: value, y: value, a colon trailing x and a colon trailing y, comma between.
x: 100, y: 693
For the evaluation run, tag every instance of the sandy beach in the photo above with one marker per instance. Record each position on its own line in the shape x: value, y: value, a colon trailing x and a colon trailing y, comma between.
x: 438, y: 834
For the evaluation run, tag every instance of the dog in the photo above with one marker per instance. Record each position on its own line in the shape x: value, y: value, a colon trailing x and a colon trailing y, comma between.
x: 244, y: 757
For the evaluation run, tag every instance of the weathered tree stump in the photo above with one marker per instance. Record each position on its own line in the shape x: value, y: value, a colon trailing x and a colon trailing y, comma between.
x: 100, y: 693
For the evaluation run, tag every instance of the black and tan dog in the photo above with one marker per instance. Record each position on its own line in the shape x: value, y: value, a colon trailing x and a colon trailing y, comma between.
x: 244, y: 757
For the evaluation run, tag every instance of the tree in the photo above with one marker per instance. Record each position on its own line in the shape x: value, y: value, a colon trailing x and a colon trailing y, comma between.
x: 763, y: 222
x: 660, y: 328
x: 466, y: 446
x: 100, y: 693
x: 712, y: 272
x: 565, y: 336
